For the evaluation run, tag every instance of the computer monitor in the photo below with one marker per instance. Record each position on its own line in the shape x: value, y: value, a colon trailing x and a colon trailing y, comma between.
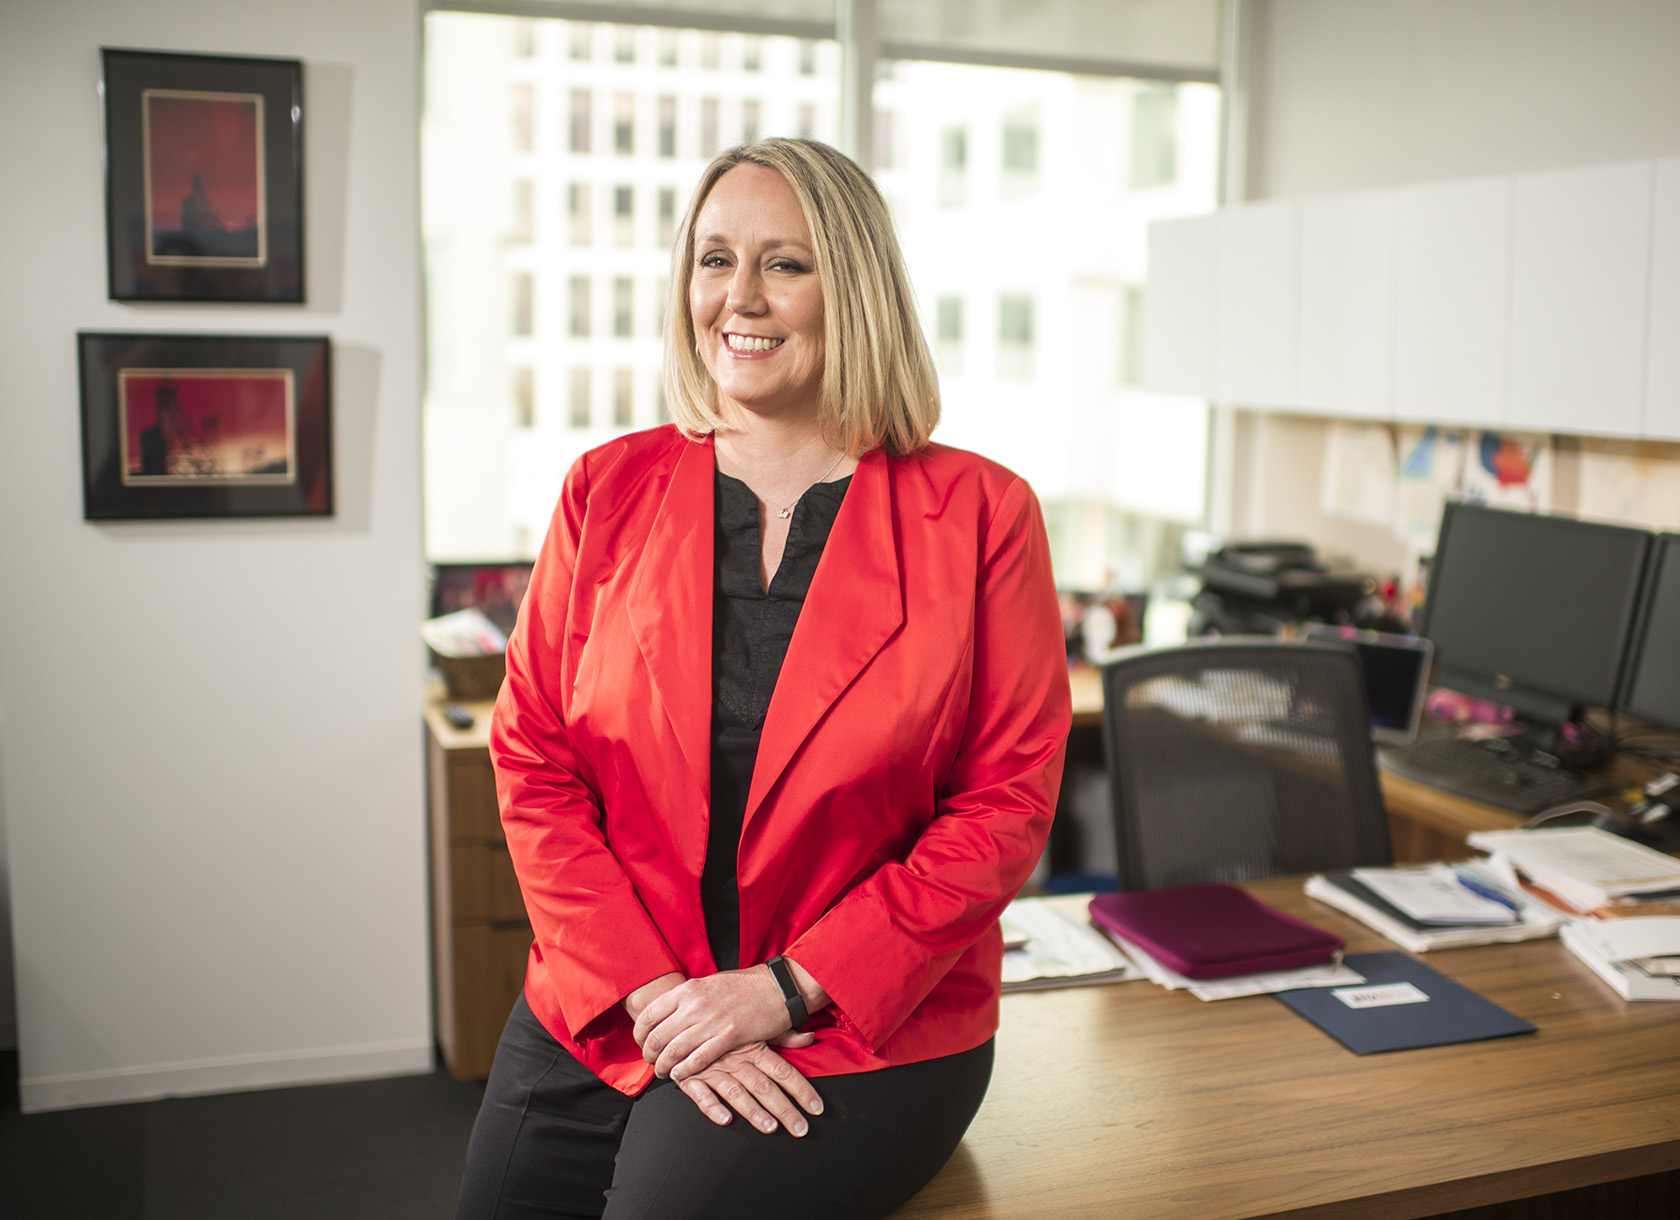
x: 1532, y: 611
x: 1396, y: 669
x: 1653, y: 676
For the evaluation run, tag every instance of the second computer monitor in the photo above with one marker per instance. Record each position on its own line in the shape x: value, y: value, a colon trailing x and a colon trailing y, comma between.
x: 1653, y: 677
x: 1533, y: 611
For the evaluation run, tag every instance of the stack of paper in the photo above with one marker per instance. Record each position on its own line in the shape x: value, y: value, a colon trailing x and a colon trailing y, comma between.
x: 1637, y: 957
x: 1437, y: 906
x: 1054, y: 945
x: 1331, y: 974
x: 1583, y: 865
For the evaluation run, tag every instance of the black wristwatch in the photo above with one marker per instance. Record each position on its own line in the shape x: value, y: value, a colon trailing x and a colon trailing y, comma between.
x: 783, y: 974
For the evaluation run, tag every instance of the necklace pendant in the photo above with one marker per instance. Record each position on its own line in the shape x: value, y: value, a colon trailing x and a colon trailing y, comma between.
x: 783, y: 512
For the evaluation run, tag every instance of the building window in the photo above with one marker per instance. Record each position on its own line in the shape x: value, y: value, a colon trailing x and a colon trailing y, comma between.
x: 752, y: 54
x: 751, y: 113
x: 524, y: 304
x: 1015, y: 335
x: 522, y: 224
x: 1154, y: 137
x: 948, y: 329
x: 807, y: 121
x: 953, y: 167
x: 582, y: 37
x: 1131, y: 349
x: 807, y: 57
x: 886, y: 139
x: 580, y: 306
x: 1019, y: 151
x: 624, y: 124
x: 581, y: 115
x: 624, y: 216
x: 624, y: 44
x: 708, y: 126
x: 667, y: 126
x: 624, y: 383
x: 667, y: 48
x: 524, y: 118
x: 577, y: 214
x: 709, y: 42
x: 667, y: 216
x: 577, y: 404
x: 524, y: 37
x: 524, y: 397
x: 623, y: 302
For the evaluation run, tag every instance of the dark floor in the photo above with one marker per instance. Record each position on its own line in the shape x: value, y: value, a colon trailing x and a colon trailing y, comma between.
x: 363, y: 1151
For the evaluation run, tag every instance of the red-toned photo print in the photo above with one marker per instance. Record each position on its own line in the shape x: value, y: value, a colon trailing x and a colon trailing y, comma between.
x: 207, y: 426
x: 204, y: 188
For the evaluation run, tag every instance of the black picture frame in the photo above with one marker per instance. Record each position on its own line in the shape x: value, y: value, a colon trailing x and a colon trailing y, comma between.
x: 203, y: 177
x: 205, y: 425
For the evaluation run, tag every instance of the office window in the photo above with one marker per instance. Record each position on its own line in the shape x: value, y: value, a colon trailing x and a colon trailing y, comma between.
x: 624, y: 216
x: 624, y: 44
x: 953, y: 166
x: 579, y: 292
x: 523, y: 222
x: 661, y: 294
x: 524, y: 303
x: 582, y: 114
x: 750, y: 117
x: 577, y: 399
x: 624, y: 382
x: 667, y: 216
x: 807, y: 121
x: 708, y: 126
x: 752, y: 54
x: 948, y: 329
x: 581, y: 36
x: 1154, y: 137
x: 667, y: 40
x: 524, y: 397
x: 1131, y: 342
x: 623, y: 301
x: 624, y: 124
x: 807, y: 57
x: 886, y: 140
x: 578, y: 228
x: 1018, y: 151
x: 709, y: 43
x: 524, y: 37
x: 524, y: 114
x: 1015, y: 335
x: 667, y: 126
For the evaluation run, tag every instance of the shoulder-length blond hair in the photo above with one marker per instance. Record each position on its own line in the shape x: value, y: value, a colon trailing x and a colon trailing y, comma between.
x: 878, y: 384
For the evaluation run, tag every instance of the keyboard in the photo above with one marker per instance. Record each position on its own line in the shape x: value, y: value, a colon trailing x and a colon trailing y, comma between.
x: 1494, y: 771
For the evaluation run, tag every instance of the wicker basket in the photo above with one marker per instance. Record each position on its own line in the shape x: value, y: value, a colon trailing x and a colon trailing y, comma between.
x: 472, y: 677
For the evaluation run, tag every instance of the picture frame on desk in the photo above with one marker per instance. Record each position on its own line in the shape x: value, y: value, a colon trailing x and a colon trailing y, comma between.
x: 205, y: 425
x: 203, y: 177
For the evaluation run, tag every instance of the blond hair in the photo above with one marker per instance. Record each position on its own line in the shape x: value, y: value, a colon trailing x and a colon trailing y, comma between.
x: 878, y: 389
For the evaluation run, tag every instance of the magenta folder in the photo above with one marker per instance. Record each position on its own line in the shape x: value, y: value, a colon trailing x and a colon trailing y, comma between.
x: 1212, y: 931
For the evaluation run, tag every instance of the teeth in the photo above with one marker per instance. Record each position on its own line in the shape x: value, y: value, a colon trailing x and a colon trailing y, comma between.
x: 746, y: 343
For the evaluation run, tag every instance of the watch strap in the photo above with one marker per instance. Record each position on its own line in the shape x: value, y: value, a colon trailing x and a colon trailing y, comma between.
x: 783, y: 974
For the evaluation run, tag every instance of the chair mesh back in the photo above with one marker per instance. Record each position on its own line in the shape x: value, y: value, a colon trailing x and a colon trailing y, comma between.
x: 1237, y: 759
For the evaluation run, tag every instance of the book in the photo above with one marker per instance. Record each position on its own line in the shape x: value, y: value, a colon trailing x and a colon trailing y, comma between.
x: 1632, y: 979
x: 1352, y: 896
x: 1584, y: 865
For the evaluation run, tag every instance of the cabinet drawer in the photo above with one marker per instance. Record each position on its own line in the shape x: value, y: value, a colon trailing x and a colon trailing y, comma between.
x: 482, y: 884
x: 487, y: 972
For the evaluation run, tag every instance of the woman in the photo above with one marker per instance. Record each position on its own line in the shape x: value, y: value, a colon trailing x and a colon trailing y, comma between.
x: 780, y: 737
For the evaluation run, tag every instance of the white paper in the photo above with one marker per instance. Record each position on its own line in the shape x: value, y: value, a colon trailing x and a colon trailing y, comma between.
x: 1359, y: 473
x: 1584, y: 854
x: 1331, y: 974
x: 1384, y: 996
x: 1433, y: 895
x: 1060, y: 943
x: 1621, y: 940
x: 1509, y: 470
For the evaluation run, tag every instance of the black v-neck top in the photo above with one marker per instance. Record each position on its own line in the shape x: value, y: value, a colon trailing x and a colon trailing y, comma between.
x: 751, y: 630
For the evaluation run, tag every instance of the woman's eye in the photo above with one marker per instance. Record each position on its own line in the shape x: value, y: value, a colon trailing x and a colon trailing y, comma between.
x: 712, y: 260
x: 783, y: 264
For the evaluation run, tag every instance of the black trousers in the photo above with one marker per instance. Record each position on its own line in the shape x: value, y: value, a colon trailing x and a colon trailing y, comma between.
x: 552, y: 1141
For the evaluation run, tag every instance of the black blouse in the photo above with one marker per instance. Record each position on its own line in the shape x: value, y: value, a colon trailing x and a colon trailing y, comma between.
x: 751, y: 629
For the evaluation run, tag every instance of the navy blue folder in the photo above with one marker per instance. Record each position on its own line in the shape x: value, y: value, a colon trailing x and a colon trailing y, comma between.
x: 1450, y: 1013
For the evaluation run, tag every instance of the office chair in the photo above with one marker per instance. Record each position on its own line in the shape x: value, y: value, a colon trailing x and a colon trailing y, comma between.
x: 1240, y: 758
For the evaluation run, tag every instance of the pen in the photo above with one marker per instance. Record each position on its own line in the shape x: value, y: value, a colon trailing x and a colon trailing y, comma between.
x: 1488, y: 892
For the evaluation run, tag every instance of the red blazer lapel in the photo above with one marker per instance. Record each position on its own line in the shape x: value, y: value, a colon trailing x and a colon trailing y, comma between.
x: 855, y: 604
x: 670, y: 606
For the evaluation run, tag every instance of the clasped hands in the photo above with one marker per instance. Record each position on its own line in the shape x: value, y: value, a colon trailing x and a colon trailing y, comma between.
x: 714, y: 1038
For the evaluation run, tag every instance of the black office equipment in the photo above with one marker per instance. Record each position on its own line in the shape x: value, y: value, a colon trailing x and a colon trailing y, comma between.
x: 1240, y: 758
x: 1534, y: 612
x: 1396, y: 671
x: 1258, y: 588
x: 1653, y: 675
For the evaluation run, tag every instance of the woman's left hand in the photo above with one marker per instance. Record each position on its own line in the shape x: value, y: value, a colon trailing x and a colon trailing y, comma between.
x: 686, y: 1029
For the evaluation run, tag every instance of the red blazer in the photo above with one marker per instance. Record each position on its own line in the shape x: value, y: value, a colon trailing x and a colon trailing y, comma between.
x: 905, y: 778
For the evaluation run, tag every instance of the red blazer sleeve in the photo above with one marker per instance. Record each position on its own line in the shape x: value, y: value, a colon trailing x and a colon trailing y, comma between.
x: 883, y: 947
x: 595, y: 940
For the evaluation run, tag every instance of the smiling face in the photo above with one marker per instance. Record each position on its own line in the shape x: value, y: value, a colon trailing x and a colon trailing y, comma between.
x: 756, y: 298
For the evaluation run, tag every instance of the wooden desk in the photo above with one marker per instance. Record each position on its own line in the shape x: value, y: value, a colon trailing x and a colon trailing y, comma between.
x: 1127, y: 1100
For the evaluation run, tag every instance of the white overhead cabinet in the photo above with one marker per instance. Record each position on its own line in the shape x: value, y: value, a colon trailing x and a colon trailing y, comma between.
x: 1255, y: 273
x: 1662, y: 347
x: 1452, y: 252
x: 1580, y: 284
x: 1178, y: 316
x: 1346, y: 336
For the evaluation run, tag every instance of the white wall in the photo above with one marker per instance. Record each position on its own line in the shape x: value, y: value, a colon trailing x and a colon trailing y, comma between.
x: 1356, y: 94
x: 210, y: 766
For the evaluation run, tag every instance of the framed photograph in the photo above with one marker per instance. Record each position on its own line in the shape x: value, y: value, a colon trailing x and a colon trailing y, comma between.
x: 205, y: 426
x: 203, y: 177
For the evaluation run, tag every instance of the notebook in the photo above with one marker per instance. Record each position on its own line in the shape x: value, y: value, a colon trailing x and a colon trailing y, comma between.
x: 1212, y: 931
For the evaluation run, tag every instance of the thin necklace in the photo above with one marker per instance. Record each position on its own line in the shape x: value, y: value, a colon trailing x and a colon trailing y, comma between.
x: 787, y: 508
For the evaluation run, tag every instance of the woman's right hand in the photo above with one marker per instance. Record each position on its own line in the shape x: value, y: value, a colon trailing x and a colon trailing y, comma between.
x: 759, y: 1085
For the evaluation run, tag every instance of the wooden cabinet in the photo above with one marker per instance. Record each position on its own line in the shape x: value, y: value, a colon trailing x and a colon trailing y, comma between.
x: 480, y: 935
